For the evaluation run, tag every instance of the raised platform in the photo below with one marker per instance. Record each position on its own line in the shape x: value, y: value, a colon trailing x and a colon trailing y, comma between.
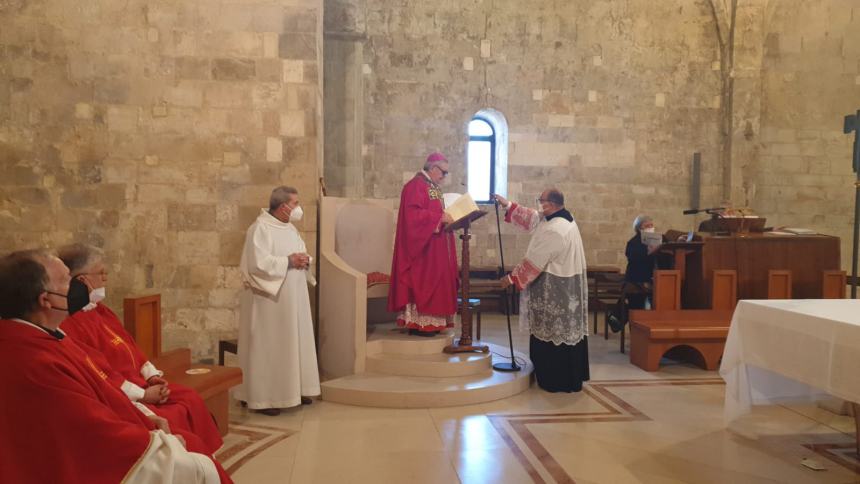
x: 387, y: 339
x: 406, y: 371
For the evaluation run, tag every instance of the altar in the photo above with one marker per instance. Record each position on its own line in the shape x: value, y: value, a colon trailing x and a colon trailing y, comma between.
x: 784, y: 351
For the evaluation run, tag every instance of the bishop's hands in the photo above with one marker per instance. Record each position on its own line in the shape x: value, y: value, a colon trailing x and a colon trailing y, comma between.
x: 446, y: 219
x: 155, y: 394
x: 300, y: 261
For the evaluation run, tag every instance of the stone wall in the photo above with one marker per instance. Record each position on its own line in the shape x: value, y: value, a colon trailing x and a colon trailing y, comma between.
x: 605, y: 100
x: 810, y: 81
x: 157, y: 129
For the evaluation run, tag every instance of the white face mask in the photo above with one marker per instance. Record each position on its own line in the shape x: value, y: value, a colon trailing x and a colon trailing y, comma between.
x: 296, y: 214
x: 97, y: 295
x: 650, y: 230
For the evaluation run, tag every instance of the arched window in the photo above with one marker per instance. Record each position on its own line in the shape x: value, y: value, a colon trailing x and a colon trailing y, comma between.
x: 486, y: 156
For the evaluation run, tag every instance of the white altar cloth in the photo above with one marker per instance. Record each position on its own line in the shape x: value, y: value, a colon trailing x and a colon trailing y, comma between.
x: 781, y: 351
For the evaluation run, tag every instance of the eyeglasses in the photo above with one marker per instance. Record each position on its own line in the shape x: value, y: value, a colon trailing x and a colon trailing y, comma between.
x: 444, y: 172
x: 541, y: 200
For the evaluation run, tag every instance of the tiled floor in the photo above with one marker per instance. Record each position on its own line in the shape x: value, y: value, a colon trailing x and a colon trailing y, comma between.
x: 627, y: 426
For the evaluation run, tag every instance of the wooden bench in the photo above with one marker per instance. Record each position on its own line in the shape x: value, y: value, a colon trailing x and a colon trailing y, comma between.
x: 143, y: 321
x: 697, y: 334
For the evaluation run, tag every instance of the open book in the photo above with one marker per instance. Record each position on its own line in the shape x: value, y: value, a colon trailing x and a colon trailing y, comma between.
x: 462, y: 209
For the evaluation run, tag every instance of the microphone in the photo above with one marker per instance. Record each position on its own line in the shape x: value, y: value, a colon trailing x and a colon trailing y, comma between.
x: 693, y: 211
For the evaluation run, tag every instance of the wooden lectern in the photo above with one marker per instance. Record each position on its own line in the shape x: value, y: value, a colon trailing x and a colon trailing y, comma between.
x: 464, y: 344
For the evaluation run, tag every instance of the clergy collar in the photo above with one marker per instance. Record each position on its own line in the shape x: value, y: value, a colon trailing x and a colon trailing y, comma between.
x: 89, y: 307
x: 563, y: 213
x: 56, y: 333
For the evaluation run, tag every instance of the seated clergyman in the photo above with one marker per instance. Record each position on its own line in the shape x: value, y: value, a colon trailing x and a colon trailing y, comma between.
x: 62, y: 421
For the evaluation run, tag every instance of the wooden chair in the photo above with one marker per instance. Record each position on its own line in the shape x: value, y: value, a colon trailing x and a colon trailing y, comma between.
x: 484, y: 285
x: 604, y: 292
x: 143, y: 321
x: 227, y: 346
x: 631, y: 289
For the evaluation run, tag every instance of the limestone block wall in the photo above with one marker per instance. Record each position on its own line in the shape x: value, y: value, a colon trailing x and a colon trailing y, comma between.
x: 605, y: 100
x: 157, y: 129
x: 810, y: 81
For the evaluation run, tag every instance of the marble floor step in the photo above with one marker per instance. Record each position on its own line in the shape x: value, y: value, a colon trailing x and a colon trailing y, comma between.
x: 393, y: 341
x: 372, y: 389
x: 432, y: 365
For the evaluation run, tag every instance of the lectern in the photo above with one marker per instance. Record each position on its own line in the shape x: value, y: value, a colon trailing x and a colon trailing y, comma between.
x: 464, y: 344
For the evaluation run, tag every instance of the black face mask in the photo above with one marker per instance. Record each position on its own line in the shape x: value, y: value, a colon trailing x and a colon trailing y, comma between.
x: 55, y: 308
x: 79, y: 296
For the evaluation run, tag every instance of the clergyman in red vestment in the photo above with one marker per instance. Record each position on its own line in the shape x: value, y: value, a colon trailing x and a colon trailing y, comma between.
x: 60, y: 419
x: 100, y: 332
x: 423, y: 289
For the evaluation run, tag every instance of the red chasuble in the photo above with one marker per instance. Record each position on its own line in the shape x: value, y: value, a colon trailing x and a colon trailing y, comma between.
x: 60, y: 421
x: 424, y: 265
x: 100, y: 330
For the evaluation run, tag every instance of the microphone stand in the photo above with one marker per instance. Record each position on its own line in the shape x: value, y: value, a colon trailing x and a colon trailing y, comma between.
x: 512, y: 366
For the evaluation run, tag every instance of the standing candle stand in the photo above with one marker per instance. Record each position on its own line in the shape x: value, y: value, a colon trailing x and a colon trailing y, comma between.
x: 852, y: 124
x: 464, y: 344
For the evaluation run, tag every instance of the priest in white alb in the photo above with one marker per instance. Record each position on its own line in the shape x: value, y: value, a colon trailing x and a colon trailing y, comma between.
x: 276, y: 340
